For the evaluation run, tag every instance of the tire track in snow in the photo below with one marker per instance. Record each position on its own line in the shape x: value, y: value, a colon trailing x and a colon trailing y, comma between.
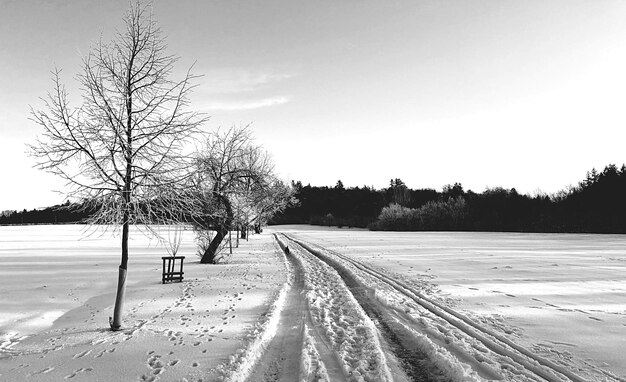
x: 297, y: 352
x: 415, y: 363
x: 544, y: 369
x: 337, y: 331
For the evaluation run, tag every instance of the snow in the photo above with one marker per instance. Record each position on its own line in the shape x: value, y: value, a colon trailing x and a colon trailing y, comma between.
x: 241, y: 365
x: 481, y: 306
x: 58, y: 289
x: 311, y: 365
x: 350, y: 331
x: 559, y: 296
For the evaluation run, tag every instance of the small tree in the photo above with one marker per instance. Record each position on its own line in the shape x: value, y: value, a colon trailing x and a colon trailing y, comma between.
x: 231, y: 169
x: 120, y: 151
x: 174, y: 239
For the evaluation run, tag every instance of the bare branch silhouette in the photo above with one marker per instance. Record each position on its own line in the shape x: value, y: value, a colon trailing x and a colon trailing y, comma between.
x: 121, y: 150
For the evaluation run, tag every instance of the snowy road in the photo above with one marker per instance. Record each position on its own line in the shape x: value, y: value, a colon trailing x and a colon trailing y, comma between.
x: 343, y: 320
x: 281, y: 361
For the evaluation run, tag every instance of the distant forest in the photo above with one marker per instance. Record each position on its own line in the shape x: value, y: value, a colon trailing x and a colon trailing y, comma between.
x: 596, y: 205
x: 59, y: 214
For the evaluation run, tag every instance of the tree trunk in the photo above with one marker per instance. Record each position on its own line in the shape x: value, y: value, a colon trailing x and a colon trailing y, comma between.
x: 125, y: 229
x: 208, y: 257
x: 257, y: 223
x: 116, y: 321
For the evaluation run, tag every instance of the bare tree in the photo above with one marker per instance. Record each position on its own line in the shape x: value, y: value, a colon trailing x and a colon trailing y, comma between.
x: 253, y: 190
x: 229, y: 168
x: 174, y: 239
x: 121, y: 150
x: 269, y: 200
x: 261, y: 198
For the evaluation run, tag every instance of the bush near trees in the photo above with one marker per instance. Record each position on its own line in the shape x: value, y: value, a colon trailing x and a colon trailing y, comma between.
x: 443, y: 215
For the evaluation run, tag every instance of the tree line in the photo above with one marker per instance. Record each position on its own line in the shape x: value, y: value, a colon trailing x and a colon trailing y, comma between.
x: 595, y: 205
x: 59, y: 214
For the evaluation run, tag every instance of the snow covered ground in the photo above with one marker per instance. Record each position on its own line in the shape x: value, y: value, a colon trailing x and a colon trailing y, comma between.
x: 559, y: 295
x: 339, y: 305
x: 58, y: 290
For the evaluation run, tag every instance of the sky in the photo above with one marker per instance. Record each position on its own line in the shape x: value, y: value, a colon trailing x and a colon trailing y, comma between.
x: 525, y: 94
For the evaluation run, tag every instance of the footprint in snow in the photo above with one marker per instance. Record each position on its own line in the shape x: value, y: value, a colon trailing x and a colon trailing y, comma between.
x: 43, y: 371
x: 81, y: 354
x: 76, y: 372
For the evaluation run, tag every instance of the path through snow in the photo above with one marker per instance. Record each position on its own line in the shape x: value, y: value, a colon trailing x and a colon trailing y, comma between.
x: 381, y: 328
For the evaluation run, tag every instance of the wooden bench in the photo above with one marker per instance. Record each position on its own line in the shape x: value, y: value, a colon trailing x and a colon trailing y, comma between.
x: 169, y: 273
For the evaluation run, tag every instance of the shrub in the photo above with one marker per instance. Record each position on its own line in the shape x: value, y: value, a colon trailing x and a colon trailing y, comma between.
x: 434, y: 215
x: 395, y: 217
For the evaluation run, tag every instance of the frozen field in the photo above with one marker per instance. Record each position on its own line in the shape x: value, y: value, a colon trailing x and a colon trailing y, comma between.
x: 561, y: 295
x: 341, y: 305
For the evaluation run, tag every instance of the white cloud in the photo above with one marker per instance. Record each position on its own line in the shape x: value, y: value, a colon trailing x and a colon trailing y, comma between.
x: 218, y: 81
x: 247, y: 105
